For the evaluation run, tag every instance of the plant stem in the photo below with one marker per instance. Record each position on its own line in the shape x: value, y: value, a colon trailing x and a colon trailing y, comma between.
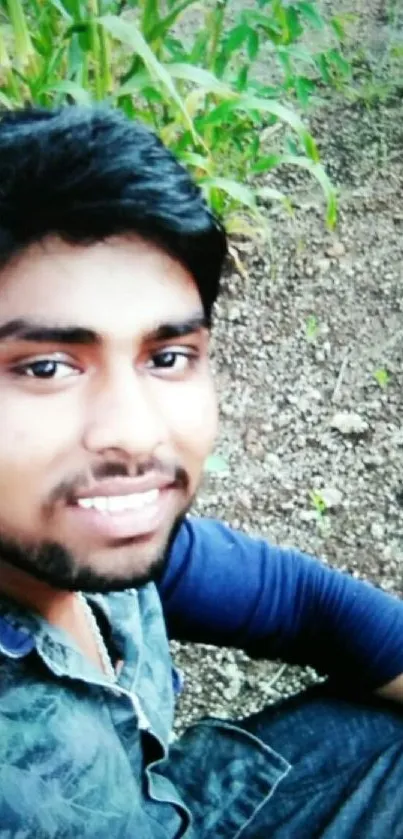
x: 96, y: 48
x: 217, y: 19
x: 23, y: 44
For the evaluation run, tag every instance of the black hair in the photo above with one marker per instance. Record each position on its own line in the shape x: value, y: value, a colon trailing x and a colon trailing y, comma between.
x: 87, y: 173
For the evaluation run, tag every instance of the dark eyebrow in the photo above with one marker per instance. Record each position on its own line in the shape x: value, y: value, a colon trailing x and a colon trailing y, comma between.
x: 166, y: 331
x: 24, y: 330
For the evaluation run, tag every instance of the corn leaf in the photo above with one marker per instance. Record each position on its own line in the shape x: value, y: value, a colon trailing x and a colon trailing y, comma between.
x: 273, y: 195
x: 311, y: 15
x: 239, y: 192
x: 129, y: 34
x: 6, y: 101
x: 197, y: 160
x: 291, y: 118
x: 163, y: 26
x: 201, y: 77
x: 61, y: 8
x: 315, y: 169
x: 69, y: 88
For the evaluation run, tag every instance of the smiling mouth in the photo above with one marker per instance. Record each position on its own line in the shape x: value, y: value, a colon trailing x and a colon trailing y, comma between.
x: 123, y: 517
x: 113, y: 504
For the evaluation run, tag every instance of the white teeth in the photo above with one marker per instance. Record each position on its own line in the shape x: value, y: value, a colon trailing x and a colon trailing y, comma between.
x: 119, y: 503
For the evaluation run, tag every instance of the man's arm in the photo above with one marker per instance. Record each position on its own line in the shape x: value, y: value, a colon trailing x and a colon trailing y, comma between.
x: 226, y: 588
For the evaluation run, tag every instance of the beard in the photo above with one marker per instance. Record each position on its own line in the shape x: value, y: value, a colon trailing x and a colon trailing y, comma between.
x: 56, y: 565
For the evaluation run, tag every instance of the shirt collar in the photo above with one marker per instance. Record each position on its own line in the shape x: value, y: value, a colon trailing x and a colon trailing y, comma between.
x: 22, y: 630
x: 15, y: 641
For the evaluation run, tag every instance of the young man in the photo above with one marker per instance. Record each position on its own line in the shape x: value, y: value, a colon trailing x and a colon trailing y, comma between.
x: 110, y: 265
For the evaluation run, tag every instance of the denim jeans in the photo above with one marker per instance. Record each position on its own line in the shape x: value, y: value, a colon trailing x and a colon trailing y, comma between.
x: 316, y: 765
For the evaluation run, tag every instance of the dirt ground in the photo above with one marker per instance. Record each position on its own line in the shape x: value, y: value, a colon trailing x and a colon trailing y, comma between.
x: 312, y: 328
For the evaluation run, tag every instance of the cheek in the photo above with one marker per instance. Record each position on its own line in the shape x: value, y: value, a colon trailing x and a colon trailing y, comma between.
x: 32, y: 436
x: 192, y: 416
x: 29, y: 435
x: 22, y: 470
x: 34, y: 439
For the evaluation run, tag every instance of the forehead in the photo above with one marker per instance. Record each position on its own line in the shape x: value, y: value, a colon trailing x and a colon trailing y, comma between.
x: 121, y: 286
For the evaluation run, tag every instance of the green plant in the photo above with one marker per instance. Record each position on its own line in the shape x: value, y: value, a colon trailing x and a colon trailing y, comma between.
x: 382, y: 377
x: 200, y: 95
x: 318, y: 503
x: 378, y: 74
x: 321, y: 510
x: 311, y: 329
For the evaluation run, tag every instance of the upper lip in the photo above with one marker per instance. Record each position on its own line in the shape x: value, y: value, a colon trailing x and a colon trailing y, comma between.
x: 124, y: 486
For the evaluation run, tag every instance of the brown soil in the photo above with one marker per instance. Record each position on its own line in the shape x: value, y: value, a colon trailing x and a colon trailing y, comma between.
x: 300, y: 334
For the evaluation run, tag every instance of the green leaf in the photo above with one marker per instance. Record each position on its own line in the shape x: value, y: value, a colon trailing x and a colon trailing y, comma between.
x: 23, y: 47
x: 304, y: 88
x: 312, y: 15
x: 342, y: 65
x: 266, y: 163
x: 297, y: 52
x: 153, y: 95
x: 284, y: 114
x: 198, y: 52
x: 78, y: 93
x: 61, y: 8
x: 259, y: 20
x: 323, y: 67
x: 183, y: 72
x: 253, y: 44
x: 216, y: 465
x: 174, y: 48
x: 6, y: 101
x: 274, y: 195
x: 129, y: 34
x: 203, y: 78
x: 137, y: 82
x: 291, y: 144
x: 150, y: 14
x: 242, y: 79
x: 218, y: 115
x: 75, y: 8
x: 236, y: 38
x: 382, y: 377
x: 164, y: 25
x: 197, y: 160
x: 338, y: 25
x: 240, y: 193
x: 315, y: 169
x: 293, y: 24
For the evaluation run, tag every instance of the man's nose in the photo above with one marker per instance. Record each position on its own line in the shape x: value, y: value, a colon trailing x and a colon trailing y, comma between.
x: 125, y: 415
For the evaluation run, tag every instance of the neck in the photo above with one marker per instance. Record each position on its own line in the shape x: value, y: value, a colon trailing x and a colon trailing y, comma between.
x: 60, y: 608
x: 34, y: 594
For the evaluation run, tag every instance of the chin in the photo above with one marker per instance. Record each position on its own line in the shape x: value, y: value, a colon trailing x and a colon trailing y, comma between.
x: 117, y: 568
x: 92, y: 582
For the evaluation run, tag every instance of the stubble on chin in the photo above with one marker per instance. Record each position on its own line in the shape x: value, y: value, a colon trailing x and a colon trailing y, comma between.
x: 56, y: 565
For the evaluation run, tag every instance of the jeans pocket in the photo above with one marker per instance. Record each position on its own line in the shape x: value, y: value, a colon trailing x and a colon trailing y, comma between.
x: 224, y: 775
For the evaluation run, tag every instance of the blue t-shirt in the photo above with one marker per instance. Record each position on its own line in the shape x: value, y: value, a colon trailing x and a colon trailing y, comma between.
x: 223, y: 587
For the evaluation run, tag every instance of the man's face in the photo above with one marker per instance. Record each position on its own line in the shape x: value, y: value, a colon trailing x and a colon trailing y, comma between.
x: 107, y: 412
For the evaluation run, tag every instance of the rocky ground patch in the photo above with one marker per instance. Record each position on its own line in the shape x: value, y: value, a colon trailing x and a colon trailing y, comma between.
x: 308, y: 352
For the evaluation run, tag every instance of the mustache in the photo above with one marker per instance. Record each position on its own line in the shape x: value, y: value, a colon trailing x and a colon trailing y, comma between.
x: 69, y: 488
